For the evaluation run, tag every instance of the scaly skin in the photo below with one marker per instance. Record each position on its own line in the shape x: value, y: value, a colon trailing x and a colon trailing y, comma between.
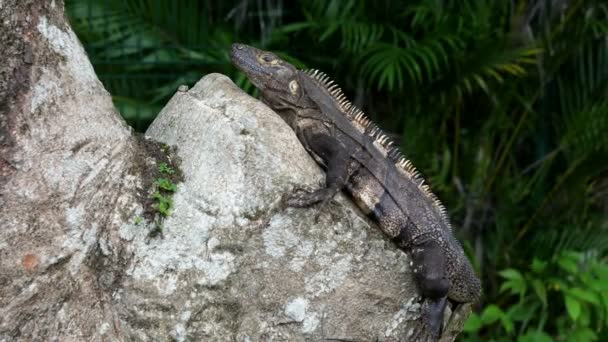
x: 360, y: 160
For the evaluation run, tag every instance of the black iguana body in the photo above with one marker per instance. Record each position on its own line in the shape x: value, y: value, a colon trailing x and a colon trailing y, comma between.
x: 360, y: 159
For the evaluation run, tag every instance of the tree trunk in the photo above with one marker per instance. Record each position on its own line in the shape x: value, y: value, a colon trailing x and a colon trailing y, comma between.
x: 67, y: 178
x: 78, y: 260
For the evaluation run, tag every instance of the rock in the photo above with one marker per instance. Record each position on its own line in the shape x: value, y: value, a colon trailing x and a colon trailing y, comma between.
x: 252, y: 269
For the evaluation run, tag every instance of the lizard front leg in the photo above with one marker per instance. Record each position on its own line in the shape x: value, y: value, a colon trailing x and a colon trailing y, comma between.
x: 336, y: 159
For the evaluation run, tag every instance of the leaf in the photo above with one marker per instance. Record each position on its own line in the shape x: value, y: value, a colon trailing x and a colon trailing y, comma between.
x: 567, y: 263
x: 540, y: 290
x: 573, y: 306
x: 515, y: 283
x: 491, y: 314
x: 511, y: 274
x: 157, y: 195
x: 522, y: 311
x: 584, y: 295
x: 583, y: 334
x: 507, y: 324
x: 164, y: 207
x: 473, y: 323
x: 294, y: 27
x: 165, y: 168
x: 166, y: 184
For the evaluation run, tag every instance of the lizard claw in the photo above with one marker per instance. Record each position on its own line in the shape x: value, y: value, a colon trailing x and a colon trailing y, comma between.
x: 318, y: 216
x: 299, y: 188
x: 303, y: 197
x: 329, y: 196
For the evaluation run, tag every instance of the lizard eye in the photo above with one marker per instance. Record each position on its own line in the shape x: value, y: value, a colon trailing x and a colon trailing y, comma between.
x: 267, y: 58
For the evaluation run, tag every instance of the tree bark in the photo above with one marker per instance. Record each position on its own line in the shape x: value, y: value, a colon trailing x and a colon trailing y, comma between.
x: 77, y: 261
x: 67, y: 176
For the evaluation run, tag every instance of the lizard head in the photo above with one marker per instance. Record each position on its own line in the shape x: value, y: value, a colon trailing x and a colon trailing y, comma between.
x: 276, y: 79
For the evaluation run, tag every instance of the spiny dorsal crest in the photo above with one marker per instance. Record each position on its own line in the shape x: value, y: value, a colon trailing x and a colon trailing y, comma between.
x: 381, y: 140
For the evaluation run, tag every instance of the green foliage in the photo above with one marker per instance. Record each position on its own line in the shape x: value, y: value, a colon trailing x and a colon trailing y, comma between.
x: 142, y: 54
x: 165, y: 184
x: 164, y: 203
x: 564, y: 298
x: 501, y: 104
x: 165, y: 189
x: 165, y: 168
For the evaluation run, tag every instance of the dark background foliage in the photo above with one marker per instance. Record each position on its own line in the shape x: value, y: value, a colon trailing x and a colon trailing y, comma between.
x: 503, y: 105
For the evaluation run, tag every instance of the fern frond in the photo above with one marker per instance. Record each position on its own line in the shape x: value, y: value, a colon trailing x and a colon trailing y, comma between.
x: 585, y: 130
x: 491, y: 67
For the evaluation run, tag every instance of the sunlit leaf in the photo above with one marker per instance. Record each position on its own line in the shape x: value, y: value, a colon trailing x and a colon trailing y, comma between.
x: 473, y: 323
x: 573, y: 306
x: 491, y: 314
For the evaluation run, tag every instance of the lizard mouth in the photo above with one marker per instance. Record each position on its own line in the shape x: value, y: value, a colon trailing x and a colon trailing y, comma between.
x: 243, y: 57
x: 236, y: 56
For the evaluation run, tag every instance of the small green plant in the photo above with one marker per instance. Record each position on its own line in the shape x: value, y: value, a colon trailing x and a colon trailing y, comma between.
x: 165, y: 184
x: 573, y: 284
x: 164, y: 189
x: 164, y: 168
x: 163, y: 203
x: 138, y: 220
x: 162, y: 196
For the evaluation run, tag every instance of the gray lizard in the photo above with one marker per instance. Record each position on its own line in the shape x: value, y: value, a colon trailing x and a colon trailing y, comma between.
x: 360, y: 159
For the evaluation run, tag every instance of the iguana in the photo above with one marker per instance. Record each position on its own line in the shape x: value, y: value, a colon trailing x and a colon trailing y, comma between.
x: 360, y: 159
